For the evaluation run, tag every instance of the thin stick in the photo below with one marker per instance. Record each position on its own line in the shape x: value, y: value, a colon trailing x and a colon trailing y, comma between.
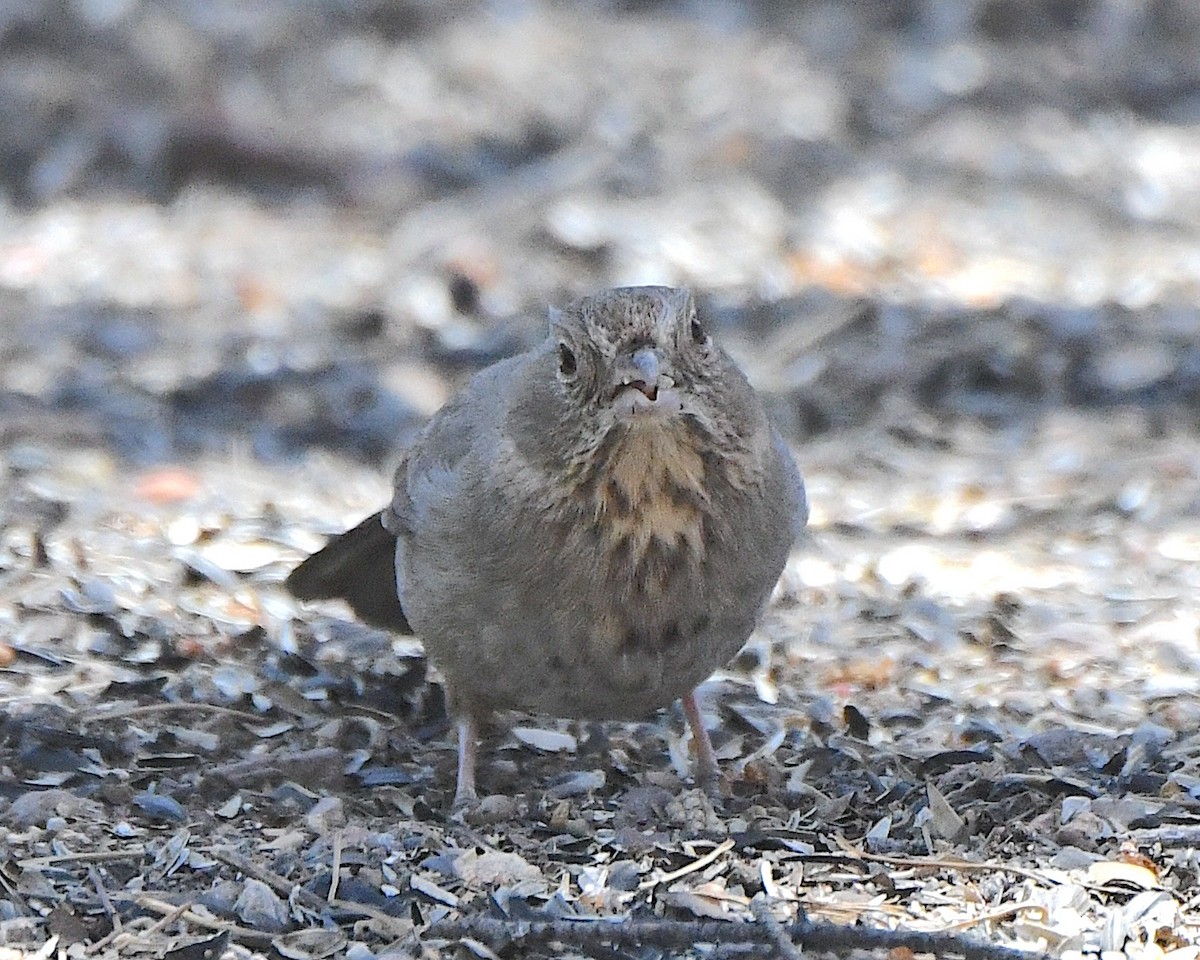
x: 96, y: 856
x: 965, y: 866
x: 397, y: 926
x: 105, y: 900
x: 1003, y: 914
x: 336, y: 866
x: 166, y: 920
x: 152, y: 708
x: 692, y: 867
x: 241, y: 934
x: 119, y: 938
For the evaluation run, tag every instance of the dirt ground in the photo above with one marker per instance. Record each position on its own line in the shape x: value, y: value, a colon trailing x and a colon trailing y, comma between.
x: 246, y: 249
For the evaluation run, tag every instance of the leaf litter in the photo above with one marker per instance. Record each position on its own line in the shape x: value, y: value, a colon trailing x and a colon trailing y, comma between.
x: 919, y: 741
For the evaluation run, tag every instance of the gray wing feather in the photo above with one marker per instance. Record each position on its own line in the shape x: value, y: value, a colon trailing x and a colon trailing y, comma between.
x: 437, y: 465
x: 795, y: 482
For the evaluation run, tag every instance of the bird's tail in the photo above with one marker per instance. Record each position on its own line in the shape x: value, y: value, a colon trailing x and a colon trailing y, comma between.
x: 358, y: 566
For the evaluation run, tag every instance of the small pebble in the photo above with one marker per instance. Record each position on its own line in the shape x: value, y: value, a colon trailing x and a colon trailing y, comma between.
x: 158, y: 806
x: 259, y: 907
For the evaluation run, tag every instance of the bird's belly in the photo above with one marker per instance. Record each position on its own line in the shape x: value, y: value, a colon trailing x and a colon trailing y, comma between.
x: 596, y: 646
x: 602, y: 668
x: 635, y: 632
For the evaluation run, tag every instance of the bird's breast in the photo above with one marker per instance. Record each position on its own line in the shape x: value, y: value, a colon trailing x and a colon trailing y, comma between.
x: 651, y: 509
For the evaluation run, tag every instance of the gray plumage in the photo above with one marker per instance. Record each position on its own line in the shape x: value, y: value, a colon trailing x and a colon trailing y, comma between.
x: 589, y: 529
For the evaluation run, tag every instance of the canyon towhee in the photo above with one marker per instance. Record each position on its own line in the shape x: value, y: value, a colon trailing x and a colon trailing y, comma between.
x: 588, y: 530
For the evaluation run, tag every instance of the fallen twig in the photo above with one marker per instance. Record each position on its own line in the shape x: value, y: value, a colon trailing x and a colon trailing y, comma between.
x: 94, y: 856
x: 239, y: 933
x: 336, y: 868
x: 803, y: 934
x: 935, y: 863
x: 698, y: 864
x: 145, y: 709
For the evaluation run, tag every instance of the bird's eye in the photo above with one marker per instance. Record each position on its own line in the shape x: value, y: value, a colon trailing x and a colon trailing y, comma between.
x: 567, y: 364
x: 698, y: 333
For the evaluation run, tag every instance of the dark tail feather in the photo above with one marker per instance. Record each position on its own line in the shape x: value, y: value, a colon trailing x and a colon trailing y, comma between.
x: 359, y: 566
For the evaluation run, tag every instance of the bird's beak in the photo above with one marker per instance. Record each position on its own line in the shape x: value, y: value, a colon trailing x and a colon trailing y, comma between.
x: 639, y: 371
x: 640, y: 387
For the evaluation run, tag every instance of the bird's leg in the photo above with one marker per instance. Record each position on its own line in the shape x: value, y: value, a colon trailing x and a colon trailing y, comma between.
x: 706, y: 758
x: 468, y: 742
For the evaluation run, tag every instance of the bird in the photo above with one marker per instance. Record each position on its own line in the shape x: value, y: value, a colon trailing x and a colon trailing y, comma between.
x: 587, y: 530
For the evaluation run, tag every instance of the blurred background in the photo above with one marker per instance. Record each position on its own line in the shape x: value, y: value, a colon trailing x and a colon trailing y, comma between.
x: 280, y: 226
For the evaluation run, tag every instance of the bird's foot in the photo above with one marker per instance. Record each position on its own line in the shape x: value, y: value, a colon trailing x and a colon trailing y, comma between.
x: 708, y: 774
x: 465, y: 796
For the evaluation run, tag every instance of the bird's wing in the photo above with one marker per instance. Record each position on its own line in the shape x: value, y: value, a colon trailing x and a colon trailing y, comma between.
x: 455, y: 444
x: 364, y: 566
x: 794, y: 482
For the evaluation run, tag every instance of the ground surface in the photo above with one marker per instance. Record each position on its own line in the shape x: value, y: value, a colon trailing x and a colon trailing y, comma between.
x: 244, y: 250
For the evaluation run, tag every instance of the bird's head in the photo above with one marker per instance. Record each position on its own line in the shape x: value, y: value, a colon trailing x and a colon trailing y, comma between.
x: 634, y: 356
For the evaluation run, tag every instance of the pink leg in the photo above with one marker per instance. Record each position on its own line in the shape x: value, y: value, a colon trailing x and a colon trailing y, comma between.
x: 706, y: 759
x: 468, y: 736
